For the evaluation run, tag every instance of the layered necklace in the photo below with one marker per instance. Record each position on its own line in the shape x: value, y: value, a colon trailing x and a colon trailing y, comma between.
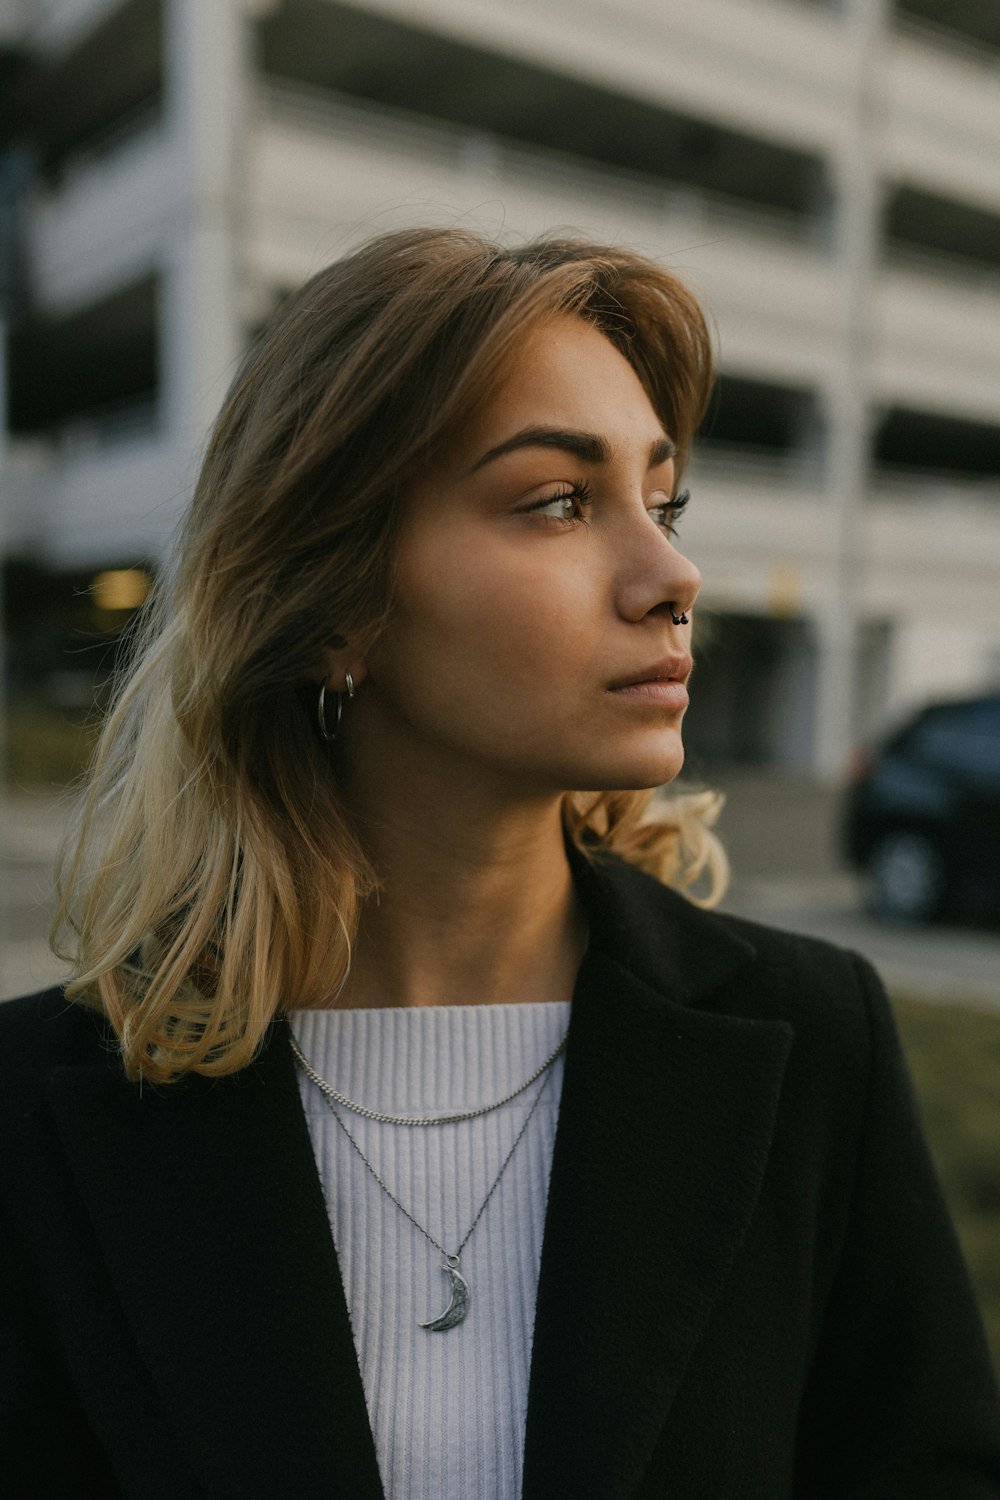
x: 461, y: 1296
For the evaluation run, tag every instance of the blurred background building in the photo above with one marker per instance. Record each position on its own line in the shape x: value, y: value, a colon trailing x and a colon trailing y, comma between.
x: 826, y: 175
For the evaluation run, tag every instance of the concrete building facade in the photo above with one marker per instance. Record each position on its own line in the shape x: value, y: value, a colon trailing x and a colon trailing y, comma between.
x: 825, y: 175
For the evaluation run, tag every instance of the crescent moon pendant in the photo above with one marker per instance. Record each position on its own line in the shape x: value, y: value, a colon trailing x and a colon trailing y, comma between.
x: 457, y: 1307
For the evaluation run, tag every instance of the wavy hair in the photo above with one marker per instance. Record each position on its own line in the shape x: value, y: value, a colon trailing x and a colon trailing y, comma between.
x: 215, y: 875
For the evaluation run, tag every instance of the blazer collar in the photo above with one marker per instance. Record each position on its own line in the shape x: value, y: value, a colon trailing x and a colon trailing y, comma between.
x: 207, y: 1205
x: 665, y: 1127
x: 672, y: 946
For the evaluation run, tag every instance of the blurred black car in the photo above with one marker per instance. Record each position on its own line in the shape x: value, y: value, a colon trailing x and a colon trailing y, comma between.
x: 922, y: 816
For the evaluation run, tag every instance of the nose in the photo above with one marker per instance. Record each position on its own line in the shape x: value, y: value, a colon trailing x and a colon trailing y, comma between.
x: 653, y: 575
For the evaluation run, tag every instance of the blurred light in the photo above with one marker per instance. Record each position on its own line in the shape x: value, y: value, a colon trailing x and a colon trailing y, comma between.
x: 785, y: 589
x: 121, y: 588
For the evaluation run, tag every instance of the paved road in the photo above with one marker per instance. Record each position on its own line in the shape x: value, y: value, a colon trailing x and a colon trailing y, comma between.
x: 782, y: 837
x: 934, y: 963
x: 780, y: 834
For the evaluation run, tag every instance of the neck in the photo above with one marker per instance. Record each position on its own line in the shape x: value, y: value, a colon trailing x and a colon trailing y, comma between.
x: 477, y: 904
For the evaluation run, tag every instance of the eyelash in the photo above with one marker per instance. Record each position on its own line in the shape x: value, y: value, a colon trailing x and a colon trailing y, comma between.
x: 580, y: 492
x: 583, y: 495
x: 674, y: 509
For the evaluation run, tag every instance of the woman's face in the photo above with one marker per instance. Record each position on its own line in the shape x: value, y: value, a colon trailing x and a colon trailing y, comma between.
x: 532, y: 641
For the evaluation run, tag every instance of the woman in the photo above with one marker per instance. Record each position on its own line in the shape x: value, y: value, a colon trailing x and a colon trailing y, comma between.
x: 364, y: 899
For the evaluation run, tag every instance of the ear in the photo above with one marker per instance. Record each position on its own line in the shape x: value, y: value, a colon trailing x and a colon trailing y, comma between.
x: 338, y: 661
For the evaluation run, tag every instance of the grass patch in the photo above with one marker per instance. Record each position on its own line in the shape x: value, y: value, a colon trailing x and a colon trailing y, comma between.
x: 954, y: 1056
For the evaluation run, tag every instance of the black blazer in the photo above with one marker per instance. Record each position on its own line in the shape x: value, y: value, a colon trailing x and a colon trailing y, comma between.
x: 750, y: 1287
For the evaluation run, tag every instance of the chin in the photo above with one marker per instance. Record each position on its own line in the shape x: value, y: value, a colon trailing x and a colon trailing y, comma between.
x: 637, y: 773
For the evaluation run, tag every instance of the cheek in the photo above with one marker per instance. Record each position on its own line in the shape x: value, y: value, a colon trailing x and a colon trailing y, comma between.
x: 490, y: 621
x: 494, y: 603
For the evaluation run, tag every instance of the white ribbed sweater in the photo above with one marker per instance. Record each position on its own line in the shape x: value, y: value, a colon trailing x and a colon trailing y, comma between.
x: 447, y: 1409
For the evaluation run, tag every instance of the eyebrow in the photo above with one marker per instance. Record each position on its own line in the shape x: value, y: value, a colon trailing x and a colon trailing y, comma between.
x: 588, y: 446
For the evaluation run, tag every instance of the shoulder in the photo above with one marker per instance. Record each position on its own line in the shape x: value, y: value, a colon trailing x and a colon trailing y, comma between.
x: 796, y: 968
x: 830, y: 997
x: 698, y: 950
x: 846, y: 1080
x: 42, y: 1033
x: 50, y: 1027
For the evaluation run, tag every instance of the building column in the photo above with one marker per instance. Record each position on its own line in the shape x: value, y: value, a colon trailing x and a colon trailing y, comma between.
x: 850, y: 406
x: 209, y: 87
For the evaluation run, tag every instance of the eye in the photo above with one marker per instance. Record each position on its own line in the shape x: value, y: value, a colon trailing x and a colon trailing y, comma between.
x: 568, y: 505
x: 669, y: 513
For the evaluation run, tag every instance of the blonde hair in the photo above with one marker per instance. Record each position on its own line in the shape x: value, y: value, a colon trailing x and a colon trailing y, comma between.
x: 215, y: 876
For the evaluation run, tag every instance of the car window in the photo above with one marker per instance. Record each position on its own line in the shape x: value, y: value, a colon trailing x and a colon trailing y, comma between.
x: 960, y: 737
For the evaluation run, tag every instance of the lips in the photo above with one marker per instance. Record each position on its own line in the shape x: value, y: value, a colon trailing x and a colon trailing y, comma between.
x: 669, y: 669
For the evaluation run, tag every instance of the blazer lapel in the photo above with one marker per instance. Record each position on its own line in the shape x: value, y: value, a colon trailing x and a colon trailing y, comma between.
x: 664, y: 1131
x: 213, y: 1224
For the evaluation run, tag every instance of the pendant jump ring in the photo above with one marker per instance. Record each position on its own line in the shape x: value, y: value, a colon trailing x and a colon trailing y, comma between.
x: 452, y: 1262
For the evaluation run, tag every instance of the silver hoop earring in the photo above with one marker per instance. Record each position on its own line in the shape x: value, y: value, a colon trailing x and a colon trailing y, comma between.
x: 680, y: 619
x: 328, y: 734
x: 331, y: 734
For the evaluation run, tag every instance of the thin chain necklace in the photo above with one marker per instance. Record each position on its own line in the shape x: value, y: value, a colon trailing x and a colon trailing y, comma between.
x: 334, y: 1096
x: 461, y: 1295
